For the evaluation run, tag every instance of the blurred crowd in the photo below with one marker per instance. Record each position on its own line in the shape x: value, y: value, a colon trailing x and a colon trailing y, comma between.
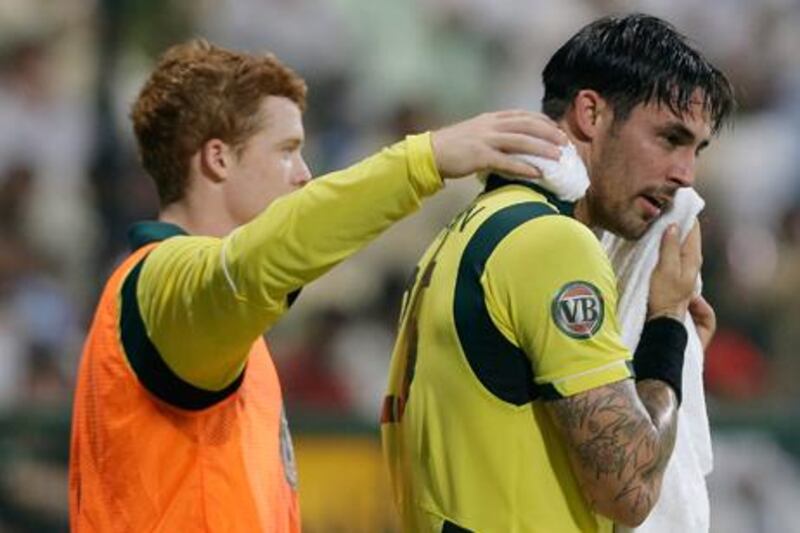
x: 70, y: 183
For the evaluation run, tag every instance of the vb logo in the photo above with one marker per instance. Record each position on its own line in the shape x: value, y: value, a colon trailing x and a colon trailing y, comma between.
x: 578, y: 309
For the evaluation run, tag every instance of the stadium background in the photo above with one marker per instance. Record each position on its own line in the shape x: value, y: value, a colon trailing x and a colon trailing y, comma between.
x: 377, y: 69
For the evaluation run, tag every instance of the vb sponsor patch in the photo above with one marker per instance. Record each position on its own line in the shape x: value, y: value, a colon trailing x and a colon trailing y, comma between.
x: 578, y: 309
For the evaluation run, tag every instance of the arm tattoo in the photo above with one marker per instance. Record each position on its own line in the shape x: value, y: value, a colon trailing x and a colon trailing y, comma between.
x: 619, y: 441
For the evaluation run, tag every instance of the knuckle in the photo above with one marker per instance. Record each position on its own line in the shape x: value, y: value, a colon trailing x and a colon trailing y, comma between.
x: 485, y: 160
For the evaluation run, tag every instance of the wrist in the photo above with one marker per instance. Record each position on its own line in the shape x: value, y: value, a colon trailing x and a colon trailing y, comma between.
x: 423, y: 164
x: 659, y: 354
x: 674, y: 313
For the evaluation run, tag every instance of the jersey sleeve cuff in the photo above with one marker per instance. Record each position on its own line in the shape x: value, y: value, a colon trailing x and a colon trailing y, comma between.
x: 586, y: 380
x: 422, y: 165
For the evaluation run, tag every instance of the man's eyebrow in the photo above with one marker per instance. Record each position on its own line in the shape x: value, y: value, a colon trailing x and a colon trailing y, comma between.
x: 292, y: 142
x: 684, y: 135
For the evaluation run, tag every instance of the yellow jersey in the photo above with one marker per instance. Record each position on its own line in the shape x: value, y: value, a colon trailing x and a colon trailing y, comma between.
x: 513, y: 304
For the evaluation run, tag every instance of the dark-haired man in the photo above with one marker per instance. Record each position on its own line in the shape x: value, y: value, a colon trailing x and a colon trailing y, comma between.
x: 512, y: 404
x: 178, y: 423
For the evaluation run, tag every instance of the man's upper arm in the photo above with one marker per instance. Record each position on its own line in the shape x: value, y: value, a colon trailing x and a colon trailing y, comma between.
x: 331, y: 218
x: 553, y: 293
x: 204, y: 301
x: 198, y: 325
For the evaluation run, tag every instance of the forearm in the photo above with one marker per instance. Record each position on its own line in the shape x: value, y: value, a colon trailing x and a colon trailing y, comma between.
x: 649, y: 448
x: 620, y: 436
x: 201, y: 330
x: 661, y: 404
x: 301, y: 236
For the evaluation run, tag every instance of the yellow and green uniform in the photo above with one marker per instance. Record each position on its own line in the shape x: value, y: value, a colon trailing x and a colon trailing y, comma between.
x: 513, y: 304
x: 178, y: 417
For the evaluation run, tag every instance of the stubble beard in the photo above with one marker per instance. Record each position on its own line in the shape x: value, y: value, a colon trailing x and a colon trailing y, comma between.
x: 606, y: 210
x: 618, y: 218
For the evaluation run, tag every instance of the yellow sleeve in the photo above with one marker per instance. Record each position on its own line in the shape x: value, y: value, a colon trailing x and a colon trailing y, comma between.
x: 204, y: 301
x: 551, y: 291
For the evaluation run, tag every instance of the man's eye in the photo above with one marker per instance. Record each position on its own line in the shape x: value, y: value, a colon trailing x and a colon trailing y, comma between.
x: 673, y: 140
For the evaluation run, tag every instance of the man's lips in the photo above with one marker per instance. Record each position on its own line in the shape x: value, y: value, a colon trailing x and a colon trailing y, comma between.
x: 653, y: 205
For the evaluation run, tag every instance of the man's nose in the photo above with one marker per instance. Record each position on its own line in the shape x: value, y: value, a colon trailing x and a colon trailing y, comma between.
x: 682, y: 173
x: 301, y: 176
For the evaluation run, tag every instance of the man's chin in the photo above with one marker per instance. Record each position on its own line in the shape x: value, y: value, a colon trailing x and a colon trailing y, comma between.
x: 631, y: 230
x: 628, y: 225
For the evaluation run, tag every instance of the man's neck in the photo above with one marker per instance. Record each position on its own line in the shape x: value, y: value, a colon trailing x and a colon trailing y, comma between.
x: 196, y: 221
x: 582, y: 212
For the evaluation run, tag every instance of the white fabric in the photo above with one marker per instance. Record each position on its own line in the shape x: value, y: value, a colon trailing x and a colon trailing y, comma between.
x: 566, y: 178
x: 683, y: 504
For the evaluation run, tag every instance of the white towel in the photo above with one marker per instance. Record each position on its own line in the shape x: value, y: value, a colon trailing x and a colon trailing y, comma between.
x: 683, y: 504
x: 566, y: 178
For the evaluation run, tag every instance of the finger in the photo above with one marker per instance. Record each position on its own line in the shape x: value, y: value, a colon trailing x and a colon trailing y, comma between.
x: 517, y: 113
x: 669, y: 254
x: 513, y: 166
x: 517, y: 143
x: 535, y: 127
x: 704, y: 318
x: 701, y: 310
x: 691, y: 252
x: 506, y: 113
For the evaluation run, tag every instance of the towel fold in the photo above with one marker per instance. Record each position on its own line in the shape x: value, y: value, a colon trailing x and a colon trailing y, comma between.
x: 683, y: 504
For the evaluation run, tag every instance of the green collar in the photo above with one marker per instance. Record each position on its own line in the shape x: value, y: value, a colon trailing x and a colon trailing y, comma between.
x: 149, y: 231
x: 495, y: 181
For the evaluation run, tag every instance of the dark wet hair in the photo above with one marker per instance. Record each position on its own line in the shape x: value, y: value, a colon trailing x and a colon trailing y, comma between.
x: 631, y: 60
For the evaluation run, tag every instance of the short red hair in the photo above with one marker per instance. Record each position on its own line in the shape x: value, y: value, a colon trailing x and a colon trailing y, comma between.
x: 200, y: 91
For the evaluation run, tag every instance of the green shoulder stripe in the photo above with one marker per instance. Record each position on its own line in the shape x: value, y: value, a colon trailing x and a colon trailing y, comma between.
x: 148, y: 365
x: 502, y: 368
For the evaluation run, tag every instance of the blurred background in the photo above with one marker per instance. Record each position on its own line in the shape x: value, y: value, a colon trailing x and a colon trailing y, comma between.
x: 70, y: 185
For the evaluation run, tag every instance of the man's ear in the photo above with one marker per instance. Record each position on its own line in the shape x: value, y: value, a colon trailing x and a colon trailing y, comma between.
x: 216, y: 159
x: 590, y: 114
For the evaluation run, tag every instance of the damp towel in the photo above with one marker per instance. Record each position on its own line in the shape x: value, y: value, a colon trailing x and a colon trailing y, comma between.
x: 683, y: 504
x: 566, y: 178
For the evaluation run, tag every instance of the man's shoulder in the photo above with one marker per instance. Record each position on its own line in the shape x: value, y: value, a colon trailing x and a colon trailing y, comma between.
x: 526, y: 231
x: 525, y: 211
